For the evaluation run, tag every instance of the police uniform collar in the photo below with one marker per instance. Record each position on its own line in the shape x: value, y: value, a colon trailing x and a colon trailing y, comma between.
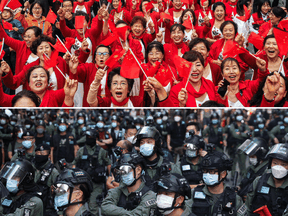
x: 272, y: 184
x: 256, y: 169
x: 46, y: 165
x: 199, y: 161
x: 81, y: 210
x: 125, y: 189
x: 208, y: 193
x: 157, y: 162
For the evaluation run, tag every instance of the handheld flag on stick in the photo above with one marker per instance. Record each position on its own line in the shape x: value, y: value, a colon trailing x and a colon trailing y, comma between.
x: 183, y: 66
x: 79, y: 22
x: 282, y: 41
x: 63, y: 45
x: 52, y: 62
x: 111, y: 61
x: 2, y: 53
x: 129, y: 68
x: 13, y: 4
x: 7, y: 25
x: 256, y: 40
x: 51, y: 17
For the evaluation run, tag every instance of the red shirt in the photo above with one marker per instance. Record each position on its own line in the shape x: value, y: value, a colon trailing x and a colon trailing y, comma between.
x: 87, y: 6
x: 106, y: 101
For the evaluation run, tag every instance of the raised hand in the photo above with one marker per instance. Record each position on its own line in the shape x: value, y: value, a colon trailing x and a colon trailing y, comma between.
x: 261, y: 64
x: 183, y: 97
x: 73, y: 64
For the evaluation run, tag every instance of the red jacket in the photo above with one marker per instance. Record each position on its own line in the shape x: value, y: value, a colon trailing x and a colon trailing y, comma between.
x: 145, y: 38
x: 257, y: 20
x: 15, y: 81
x: 87, y: 6
x: 126, y: 17
x: 247, y: 89
x: 106, y: 101
x: 208, y: 30
x: 170, y: 50
x: 22, y: 51
x: 265, y: 103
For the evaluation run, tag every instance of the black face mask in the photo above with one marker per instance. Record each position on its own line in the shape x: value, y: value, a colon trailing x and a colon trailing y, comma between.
x: 90, y: 141
x: 41, y: 160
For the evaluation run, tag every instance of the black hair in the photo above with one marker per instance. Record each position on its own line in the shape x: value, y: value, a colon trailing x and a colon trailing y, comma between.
x: 175, y: 26
x: 130, y: 126
x: 279, y: 12
x: 128, y: 145
x: 229, y: 60
x: 41, y: 5
x: 196, y: 124
x: 218, y: 4
x: 140, y: 6
x: 197, y: 40
x: 257, y: 98
x: 268, y: 37
x: 141, y: 19
x: 114, y: 72
x: 122, y: 1
x: 240, y: 7
x: 193, y: 14
x: 155, y: 44
x: 227, y: 23
x: 259, y: 6
x: 211, y: 103
x: 80, y: 13
x: 69, y: 1
x: 38, y: 41
x: 36, y: 29
x: 199, y: 2
x: 192, y: 56
x: 120, y: 22
x: 101, y: 45
x: 29, y: 71
x: 28, y: 94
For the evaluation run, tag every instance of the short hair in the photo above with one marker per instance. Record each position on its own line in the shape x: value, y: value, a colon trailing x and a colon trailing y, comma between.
x: 69, y: 1
x: 197, y: 40
x: 120, y: 22
x: 36, y: 29
x: 196, y: 124
x: 128, y: 145
x: 41, y: 5
x: 211, y: 103
x: 80, y: 13
x: 28, y: 94
x: 192, y: 56
x: 139, y: 18
x: 193, y: 14
x: 279, y: 12
x: 267, y: 37
x: 227, y: 23
x: 219, y: 4
x: 28, y: 73
x: 179, y: 26
x: 155, y: 44
x: 37, y: 43
x: 140, y: 6
x: 114, y: 72
x: 130, y: 126
x: 101, y: 45
x: 229, y: 60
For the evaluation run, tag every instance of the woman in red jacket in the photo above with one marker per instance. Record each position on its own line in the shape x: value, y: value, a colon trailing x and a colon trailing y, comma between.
x: 119, y: 13
x: 39, y: 47
x: 272, y: 92
x: 81, y: 5
x: 198, y: 90
x: 190, y: 34
x: 203, y: 13
x: 240, y: 92
x: 38, y: 80
x: 24, y: 54
x: 211, y: 71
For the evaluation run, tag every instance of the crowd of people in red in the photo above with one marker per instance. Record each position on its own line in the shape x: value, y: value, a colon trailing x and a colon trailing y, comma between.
x: 133, y: 53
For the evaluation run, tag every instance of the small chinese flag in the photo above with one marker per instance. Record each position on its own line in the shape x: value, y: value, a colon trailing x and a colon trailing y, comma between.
x: 185, y: 2
x: 231, y: 49
x: 14, y: 4
x: 61, y: 1
x: 112, y: 60
x: 183, y: 66
x: 283, y: 25
x: 52, y: 62
x: 153, y: 70
x: 119, y: 7
x: 7, y: 25
x: 282, y: 41
x: 69, y: 42
x: 188, y: 24
x: 149, y: 6
x: 203, y: 1
x: 109, y: 40
x: 58, y: 46
x: 79, y: 22
x: 51, y: 17
x: 110, y: 1
x: 3, y: 4
x: 163, y: 76
x: 122, y: 32
x: 256, y: 40
x: 129, y: 67
x: 165, y: 16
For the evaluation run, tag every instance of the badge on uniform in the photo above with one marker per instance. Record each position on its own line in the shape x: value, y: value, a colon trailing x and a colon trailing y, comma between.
x: 185, y: 167
x: 150, y: 202
x: 242, y: 210
x: 84, y: 157
x: 27, y: 212
x: 264, y: 190
x: 199, y: 195
x: 6, y: 202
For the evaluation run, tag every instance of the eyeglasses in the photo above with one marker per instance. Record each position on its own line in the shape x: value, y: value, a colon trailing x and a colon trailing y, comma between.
x: 102, y: 53
x: 68, y: 6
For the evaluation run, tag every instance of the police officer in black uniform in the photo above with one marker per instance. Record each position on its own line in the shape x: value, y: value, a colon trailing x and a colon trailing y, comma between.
x: 72, y: 191
x: 270, y: 189
x: 260, y: 130
x: 278, y: 133
x: 276, y: 119
x: 190, y: 162
x: 6, y: 134
x: 256, y: 149
x: 41, y: 136
x: 116, y: 131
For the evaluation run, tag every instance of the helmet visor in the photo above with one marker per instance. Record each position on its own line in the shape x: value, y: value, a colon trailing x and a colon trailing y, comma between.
x: 249, y: 147
x: 60, y: 188
x: 124, y: 169
x: 191, y: 146
x: 279, y: 149
x: 13, y: 171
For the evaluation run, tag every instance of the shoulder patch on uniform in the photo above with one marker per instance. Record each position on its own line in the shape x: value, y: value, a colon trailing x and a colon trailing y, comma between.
x: 185, y: 167
x: 264, y: 190
x: 6, y: 202
x: 242, y: 210
x: 199, y: 195
x: 150, y: 202
x: 27, y: 212
x: 32, y: 203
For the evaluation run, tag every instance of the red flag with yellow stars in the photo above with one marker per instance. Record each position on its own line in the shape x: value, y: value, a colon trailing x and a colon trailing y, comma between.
x: 7, y: 25
x: 69, y: 42
x: 129, y: 67
x: 188, y: 24
x: 165, y: 16
x: 112, y: 60
x: 52, y: 61
x: 256, y: 40
x: 113, y: 37
x: 282, y: 41
x: 58, y: 46
x: 163, y: 76
x: 14, y: 4
x: 183, y: 66
x: 51, y: 17
x: 153, y: 70
x: 231, y: 49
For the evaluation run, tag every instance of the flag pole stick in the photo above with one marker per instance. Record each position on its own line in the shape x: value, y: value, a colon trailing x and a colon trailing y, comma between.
x: 172, y: 73
x: 189, y: 76
x: 2, y: 47
x: 56, y: 67
x: 64, y: 45
x: 281, y: 65
x: 138, y: 63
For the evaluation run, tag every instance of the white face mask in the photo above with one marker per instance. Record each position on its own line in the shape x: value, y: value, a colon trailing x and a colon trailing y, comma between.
x: 130, y: 139
x: 163, y: 202
x: 279, y: 171
x: 253, y: 161
x: 177, y: 118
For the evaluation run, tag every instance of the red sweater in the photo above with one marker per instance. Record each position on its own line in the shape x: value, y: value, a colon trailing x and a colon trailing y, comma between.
x: 87, y: 6
x: 126, y: 17
x: 22, y: 51
x: 15, y: 81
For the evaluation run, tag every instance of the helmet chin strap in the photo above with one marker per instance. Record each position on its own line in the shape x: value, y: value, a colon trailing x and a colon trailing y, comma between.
x: 172, y: 207
x: 63, y: 208
x: 135, y: 179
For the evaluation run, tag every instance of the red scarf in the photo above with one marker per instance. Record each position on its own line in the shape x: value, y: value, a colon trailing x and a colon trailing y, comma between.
x: 80, y: 3
x: 137, y: 37
x: 233, y: 3
x: 184, y: 48
x: 176, y: 10
x: 205, y: 88
x: 119, y: 9
x: 120, y: 104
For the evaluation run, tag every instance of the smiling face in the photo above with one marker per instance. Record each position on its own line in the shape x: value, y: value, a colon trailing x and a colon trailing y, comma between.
x: 155, y: 55
x: 201, y: 48
x: 6, y: 14
x: 29, y: 37
x: 271, y: 48
x: 231, y: 72
x: 229, y: 32
x: 281, y: 93
x: 197, y: 72
x: 37, y: 11
x: 187, y: 15
x: 119, y: 88
x: 68, y: 7
x: 177, y: 4
x: 138, y: 28
x: 177, y: 36
x: 38, y: 81
x: 265, y: 8
x: 274, y: 20
x: 102, y: 54
x: 44, y: 47
x: 115, y: 3
x: 219, y: 13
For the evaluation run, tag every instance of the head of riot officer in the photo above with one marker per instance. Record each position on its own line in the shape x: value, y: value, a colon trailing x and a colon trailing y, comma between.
x: 172, y: 190
x: 214, y: 119
x: 42, y: 153
x: 149, y: 140
x: 40, y: 128
x: 72, y: 190
x: 194, y: 146
x: 91, y: 136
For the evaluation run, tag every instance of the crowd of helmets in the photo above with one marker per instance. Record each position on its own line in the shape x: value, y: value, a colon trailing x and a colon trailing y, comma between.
x: 144, y: 162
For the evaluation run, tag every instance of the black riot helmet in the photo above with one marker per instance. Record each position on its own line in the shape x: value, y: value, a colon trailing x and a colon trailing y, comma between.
x: 67, y: 180
x: 91, y: 136
x: 193, y: 143
x: 20, y: 171
x: 13, y: 120
x: 214, y: 118
x: 257, y: 146
x: 216, y: 160
x: 173, y: 182
x: 191, y: 117
x: 149, y: 121
x: 278, y: 151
